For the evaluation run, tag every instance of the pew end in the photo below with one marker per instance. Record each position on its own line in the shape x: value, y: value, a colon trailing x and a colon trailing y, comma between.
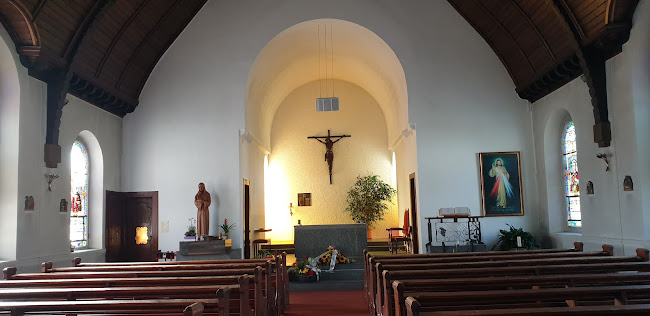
x: 398, y: 291
x: 578, y: 246
x: 609, y: 249
x: 285, y: 278
x: 46, y: 267
x: 642, y: 253
x: 195, y: 309
x: 76, y: 261
x: 223, y: 301
x: 412, y: 307
x: 8, y: 272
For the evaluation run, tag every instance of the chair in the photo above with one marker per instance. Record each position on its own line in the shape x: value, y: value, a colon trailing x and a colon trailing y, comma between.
x: 404, y: 238
x: 257, y: 243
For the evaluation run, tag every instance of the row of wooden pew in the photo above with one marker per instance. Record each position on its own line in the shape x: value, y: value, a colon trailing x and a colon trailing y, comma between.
x: 534, y: 282
x: 258, y: 287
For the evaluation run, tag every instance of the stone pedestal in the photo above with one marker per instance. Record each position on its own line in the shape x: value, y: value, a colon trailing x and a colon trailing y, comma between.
x: 218, y: 249
x: 312, y: 240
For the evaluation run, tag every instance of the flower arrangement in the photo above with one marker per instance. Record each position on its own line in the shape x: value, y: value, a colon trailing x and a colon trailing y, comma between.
x: 226, y: 228
x: 191, y: 229
x: 306, y: 268
x: 326, y: 258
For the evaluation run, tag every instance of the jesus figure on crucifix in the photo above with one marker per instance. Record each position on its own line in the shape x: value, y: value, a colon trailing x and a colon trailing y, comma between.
x: 329, y: 143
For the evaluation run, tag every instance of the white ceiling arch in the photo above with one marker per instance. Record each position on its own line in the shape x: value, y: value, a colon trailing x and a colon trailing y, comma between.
x: 291, y: 59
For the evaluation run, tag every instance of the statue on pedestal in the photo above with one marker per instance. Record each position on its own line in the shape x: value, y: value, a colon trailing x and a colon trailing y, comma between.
x: 202, y: 201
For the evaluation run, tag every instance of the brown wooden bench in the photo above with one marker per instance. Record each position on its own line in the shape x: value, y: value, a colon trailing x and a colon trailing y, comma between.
x: 239, y: 294
x: 639, y: 309
x: 162, y: 306
x: 442, y: 268
x: 533, y: 298
x: 371, y: 260
x: 402, y: 289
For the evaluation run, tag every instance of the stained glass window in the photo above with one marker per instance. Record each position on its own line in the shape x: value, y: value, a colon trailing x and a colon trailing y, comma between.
x: 571, y: 179
x: 79, y: 195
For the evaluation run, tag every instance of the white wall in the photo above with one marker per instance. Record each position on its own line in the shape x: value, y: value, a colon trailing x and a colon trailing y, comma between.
x: 611, y: 215
x: 252, y: 168
x: 460, y: 96
x: 43, y: 234
x: 9, y: 117
x: 297, y: 164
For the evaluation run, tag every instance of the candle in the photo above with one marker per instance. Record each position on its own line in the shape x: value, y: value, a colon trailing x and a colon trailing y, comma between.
x: 519, y: 241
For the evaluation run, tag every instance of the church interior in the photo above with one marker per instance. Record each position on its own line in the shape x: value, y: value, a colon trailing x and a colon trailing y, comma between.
x: 476, y: 115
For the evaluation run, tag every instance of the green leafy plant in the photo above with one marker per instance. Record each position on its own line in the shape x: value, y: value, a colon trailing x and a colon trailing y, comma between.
x: 508, y: 239
x: 191, y: 229
x: 366, y: 199
x: 226, y: 228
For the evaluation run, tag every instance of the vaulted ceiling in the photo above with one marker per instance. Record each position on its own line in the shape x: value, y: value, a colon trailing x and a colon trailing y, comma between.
x: 108, y: 47
x: 104, y: 50
x: 534, y: 42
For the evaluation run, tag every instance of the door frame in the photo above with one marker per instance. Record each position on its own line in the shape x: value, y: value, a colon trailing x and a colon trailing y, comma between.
x: 154, y: 218
x: 246, y: 197
x: 415, y: 235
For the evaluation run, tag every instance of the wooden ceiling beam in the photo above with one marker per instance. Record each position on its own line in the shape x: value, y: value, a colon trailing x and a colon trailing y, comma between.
x: 58, y: 84
x: 535, y: 28
x: 145, y: 40
x: 117, y: 36
x: 38, y: 9
x: 505, y: 30
x: 592, y: 63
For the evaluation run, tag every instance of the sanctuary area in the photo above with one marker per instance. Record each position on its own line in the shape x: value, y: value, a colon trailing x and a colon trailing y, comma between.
x: 169, y: 150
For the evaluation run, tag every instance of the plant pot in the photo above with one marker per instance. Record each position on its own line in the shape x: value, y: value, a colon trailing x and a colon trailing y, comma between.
x: 307, y: 279
x: 369, y: 233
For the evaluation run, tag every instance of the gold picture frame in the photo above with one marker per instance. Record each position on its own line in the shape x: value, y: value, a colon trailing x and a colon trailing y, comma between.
x: 501, y: 190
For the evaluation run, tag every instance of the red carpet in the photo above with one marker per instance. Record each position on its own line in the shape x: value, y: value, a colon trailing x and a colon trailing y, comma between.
x: 327, y: 303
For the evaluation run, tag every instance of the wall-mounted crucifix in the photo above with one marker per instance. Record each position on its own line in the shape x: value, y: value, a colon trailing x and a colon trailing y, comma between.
x: 329, y: 143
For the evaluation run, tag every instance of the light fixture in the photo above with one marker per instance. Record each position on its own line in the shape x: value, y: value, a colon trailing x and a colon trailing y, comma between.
x: 244, y: 134
x: 327, y: 103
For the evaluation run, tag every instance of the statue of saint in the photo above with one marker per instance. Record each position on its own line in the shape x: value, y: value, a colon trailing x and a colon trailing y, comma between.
x: 202, y: 201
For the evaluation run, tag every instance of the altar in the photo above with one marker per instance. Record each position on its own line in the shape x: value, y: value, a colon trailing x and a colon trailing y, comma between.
x: 312, y: 240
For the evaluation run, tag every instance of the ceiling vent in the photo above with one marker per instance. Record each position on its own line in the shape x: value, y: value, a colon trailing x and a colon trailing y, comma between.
x: 327, y: 104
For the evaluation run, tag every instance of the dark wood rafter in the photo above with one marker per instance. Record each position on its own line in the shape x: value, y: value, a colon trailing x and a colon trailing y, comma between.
x: 58, y: 84
x: 593, y: 66
x: 535, y: 28
x: 505, y: 30
x: 145, y: 40
x: 16, y: 17
x: 38, y: 9
x: 117, y: 36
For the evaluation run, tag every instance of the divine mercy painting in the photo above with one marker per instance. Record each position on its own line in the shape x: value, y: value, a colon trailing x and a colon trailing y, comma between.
x: 501, y: 184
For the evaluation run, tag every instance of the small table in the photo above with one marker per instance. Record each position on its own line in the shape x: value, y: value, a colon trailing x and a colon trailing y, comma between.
x: 257, y: 243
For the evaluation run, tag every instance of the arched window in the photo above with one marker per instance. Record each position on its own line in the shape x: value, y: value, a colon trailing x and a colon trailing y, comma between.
x: 571, y: 179
x: 79, y: 195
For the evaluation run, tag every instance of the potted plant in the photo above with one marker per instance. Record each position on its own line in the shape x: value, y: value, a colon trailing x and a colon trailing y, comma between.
x: 191, y: 230
x: 226, y: 228
x: 366, y: 200
x: 508, y: 239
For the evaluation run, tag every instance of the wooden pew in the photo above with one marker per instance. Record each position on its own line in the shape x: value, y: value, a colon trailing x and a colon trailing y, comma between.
x: 403, y: 288
x: 443, y: 268
x: 533, y: 298
x: 239, y: 294
x: 371, y: 260
x: 639, y: 309
x: 219, y: 305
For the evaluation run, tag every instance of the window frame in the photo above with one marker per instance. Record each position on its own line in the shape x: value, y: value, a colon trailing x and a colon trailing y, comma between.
x: 566, y: 196
x: 87, y: 217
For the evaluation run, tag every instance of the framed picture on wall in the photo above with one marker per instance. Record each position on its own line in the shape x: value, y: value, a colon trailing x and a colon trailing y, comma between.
x: 501, y: 184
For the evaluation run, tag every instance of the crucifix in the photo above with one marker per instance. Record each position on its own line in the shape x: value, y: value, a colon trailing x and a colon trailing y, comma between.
x: 329, y: 154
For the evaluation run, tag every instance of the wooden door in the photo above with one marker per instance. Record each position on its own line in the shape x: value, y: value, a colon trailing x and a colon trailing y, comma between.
x: 414, y: 215
x: 125, y: 213
x: 247, y: 230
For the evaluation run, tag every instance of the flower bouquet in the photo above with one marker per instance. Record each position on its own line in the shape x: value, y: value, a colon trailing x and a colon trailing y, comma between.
x: 226, y: 228
x: 326, y: 258
x: 305, y: 270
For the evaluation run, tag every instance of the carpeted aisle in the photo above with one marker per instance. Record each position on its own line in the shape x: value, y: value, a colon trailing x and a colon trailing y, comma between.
x: 327, y: 303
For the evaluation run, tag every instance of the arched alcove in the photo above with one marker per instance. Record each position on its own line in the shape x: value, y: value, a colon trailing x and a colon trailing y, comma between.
x: 294, y: 69
x: 9, y: 120
x: 95, y: 189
